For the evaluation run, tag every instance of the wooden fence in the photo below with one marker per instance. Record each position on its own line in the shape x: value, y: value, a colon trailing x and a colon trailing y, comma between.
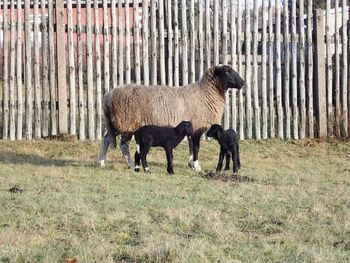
x: 59, y: 57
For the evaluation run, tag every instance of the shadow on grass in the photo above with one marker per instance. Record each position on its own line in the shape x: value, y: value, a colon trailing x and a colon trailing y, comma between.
x: 34, y: 159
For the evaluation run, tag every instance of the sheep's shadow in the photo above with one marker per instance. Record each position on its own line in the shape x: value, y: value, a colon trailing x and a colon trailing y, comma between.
x: 34, y: 159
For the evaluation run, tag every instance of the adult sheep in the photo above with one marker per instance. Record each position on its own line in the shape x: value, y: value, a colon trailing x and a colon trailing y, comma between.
x: 129, y: 107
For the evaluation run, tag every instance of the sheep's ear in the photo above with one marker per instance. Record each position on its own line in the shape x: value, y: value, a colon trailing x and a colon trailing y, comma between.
x: 220, y: 71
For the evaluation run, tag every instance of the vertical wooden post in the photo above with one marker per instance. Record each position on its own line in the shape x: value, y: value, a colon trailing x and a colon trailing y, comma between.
x: 170, y: 42
x: 309, y: 82
x: 201, y: 38
x: 216, y: 33
x: 263, y: 73
x: 114, y: 44
x: 90, y: 84
x: 176, y: 44
x: 145, y: 57
x: 28, y: 72
x: 344, y: 126
x: 271, y: 78
x: 286, y: 68
x: 98, y: 73
x: 337, y: 70
x: 105, y: 47
x: 207, y: 34
x: 247, y: 71
x: 240, y: 69
x: 319, y: 73
x: 12, y: 75
x: 184, y: 43
x: 294, y: 72
x: 81, y: 100
x: 255, y: 84
x: 19, y: 74
x: 61, y: 68
x: 301, y: 77
x: 192, y: 44
x: 53, y: 111
x: 233, y: 63
x: 72, y: 112
x: 136, y: 42
x: 330, y: 117
x: 224, y: 61
x: 5, y: 89
x: 121, y: 43
x: 349, y: 73
x: 37, y: 80
x: 278, y: 70
x: 127, y: 43
x: 154, y: 40
x: 45, y: 68
x: 161, y: 42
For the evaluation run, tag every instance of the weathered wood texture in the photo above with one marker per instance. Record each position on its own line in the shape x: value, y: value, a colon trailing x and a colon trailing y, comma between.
x: 295, y: 72
x: 61, y: 66
x: 319, y: 76
x: 98, y: 73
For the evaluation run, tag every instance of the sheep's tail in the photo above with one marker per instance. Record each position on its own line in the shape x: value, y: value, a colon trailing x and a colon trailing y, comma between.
x: 111, y: 131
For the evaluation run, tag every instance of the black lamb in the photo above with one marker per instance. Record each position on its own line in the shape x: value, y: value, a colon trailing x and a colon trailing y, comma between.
x: 228, y: 140
x: 167, y: 137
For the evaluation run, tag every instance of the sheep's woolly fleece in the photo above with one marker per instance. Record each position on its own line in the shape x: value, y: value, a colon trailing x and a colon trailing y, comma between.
x: 129, y: 107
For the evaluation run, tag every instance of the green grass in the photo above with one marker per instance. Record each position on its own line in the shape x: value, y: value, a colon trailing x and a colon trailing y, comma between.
x: 297, y: 209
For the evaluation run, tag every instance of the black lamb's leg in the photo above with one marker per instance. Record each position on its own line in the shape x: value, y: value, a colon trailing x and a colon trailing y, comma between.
x: 169, y: 158
x: 124, y: 146
x: 137, y: 161
x: 143, y: 152
x: 237, y: 156
x: 221, y: 159
x: 228, y: 159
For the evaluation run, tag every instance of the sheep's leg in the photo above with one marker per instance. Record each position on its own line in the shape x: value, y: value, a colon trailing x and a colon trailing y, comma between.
x: 169, y: 158
x: 190, y: 160
x: 124, y: 146
x: 103, y: 149
x: 237, y: 156
x: 228, y: 159
x: 196, y: 140
x: 221, y: 159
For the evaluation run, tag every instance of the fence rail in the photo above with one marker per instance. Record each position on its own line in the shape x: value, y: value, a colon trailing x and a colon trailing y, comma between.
x: 59, y: 57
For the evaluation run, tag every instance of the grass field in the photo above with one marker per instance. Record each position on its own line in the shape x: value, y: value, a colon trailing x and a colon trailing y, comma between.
x: 57, y: 205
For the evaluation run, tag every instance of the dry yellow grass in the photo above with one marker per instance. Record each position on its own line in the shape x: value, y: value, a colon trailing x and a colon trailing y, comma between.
x: 297, y: 209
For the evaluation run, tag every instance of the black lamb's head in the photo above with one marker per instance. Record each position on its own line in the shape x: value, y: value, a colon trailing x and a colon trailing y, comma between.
x: 215, y: 131
x: 185, y: 128
x: 227, y: 78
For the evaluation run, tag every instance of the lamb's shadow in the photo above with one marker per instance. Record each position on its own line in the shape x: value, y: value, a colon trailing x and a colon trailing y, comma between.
x: 34, y: 159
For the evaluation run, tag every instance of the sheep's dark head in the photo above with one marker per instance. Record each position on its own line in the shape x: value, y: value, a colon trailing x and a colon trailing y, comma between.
x: 215, y: 131
x: 185, y: 128
x: 227, y: 78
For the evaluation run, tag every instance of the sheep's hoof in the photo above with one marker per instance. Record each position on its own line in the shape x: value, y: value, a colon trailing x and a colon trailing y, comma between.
x: 137, y: 169
x: 102, y: 163
x: 196, y: 165
x: 171, y: 172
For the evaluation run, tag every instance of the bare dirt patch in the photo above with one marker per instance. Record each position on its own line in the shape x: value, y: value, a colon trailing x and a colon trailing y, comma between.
x: 227, y: 177
x: 15, y: 190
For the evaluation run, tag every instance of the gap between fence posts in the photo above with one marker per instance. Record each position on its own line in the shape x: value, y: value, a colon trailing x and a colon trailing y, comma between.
x: 319, y: 73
